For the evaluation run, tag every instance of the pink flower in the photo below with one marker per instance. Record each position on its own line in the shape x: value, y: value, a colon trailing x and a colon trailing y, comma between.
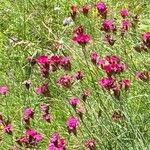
x: 27, y: 114
x: 102, y: 9
x: 94, y: 57
x: 33, y: 135
x: 125, y: 83
x: 125, y: 25
x: 78, y: 75
x: 90, y: 144
x: 82, y: 39
x: 146, y: 38
x: 42, y: 60
x: 43, y: 89
x: 124, y: 13
x: 108, y: 26
x: 72, y: 123
x: 56, y: 143
x: 107, y: 83
x: 54, y: 61
x: 85, y: 9
x: 65, y: 63
x: 47, y: 117
x: 4, y: 89
x: 74, y: 101
x: 64, y: 80
x: 8, y: 128
x: 80, y: 111
x: 142, y: 75
x: 112, y: 59
x: 44, y: 108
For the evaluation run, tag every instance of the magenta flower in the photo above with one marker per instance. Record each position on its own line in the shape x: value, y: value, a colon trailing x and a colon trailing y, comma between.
x: 56, y: 143
x: 44, y: 108
x: 42, y: 60
x: 43, y: 89
x: 54, y: 62
x: 125, y: 25
x: 146, y: 38
x: 112, y: 59
x: 107, y: 82
x: 74, y: 101
x: 142, y: 75
x: 125, y: 83
x: 33, y: 135
x: 102, y: 9
x: 90, y: 144
x: 47, y: 117
x: 27, y: 114
x: 94, y: 57
x: 108, y: 26
x: 78, y: 75
x: 4, y: 89
x: 82, y: 39
x: 65, y: 63
x: 8, y: 128
x: 64, y: 80
x: 124, y: 13
x: 72, y: 123
x: 85, y: 10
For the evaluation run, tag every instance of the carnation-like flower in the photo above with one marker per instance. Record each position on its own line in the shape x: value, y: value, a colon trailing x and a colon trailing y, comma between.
x: 64, y: 80
x: 85, y: 9
x: 72, y: 123
x: 4, y: 89
x: 43, y: 89
x: 14, y: 148
x: 67, y: 21
x: 27, y: 114
x: 107, y: 82
x: 47, y: 117
x: 8, y: 128
x: 78, y: 75
x: 94, y: 57
x: 125, y: 83
x: 108, y: 26
x: 125, y: 25
x: 142, y: 75
x: 44, y: 108
x: 146, y: 38
x: 82, y: 39
x: 74, y: 101
x: 42, y: 60
x: 85, y: 94
x: 90, y: 144
x: 102, y: 9
x: 65, y: 63
x: 124, y: 13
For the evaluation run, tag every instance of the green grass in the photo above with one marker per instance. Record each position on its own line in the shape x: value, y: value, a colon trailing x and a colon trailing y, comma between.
x: 37, y: 27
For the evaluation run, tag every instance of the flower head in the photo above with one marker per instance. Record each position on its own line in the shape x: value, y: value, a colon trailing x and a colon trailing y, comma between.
x: 4, y: 89
x: 8, y: 128
x: 124, y: 12
x: 27, y: 114
x: 67, y: 21
x: 108, y: 26
x: 102, y: 9
x: 146, y: 38
x: 43, y: 89
x: 74, y: 101
x: 85, y: 9
x: 72, y: 123
x: 82, y: 39
x: 90, y: 144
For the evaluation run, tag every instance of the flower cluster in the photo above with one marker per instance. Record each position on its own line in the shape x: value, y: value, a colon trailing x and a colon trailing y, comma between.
x: 45, y: 112
x: 30, y: 139
x: 56, y: 143
x: 145, y: 45
x: 28, y: 113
